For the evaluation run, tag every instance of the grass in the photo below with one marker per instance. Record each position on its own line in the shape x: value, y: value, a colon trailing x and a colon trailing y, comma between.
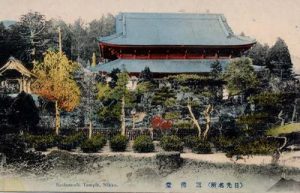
x: 289, y: 128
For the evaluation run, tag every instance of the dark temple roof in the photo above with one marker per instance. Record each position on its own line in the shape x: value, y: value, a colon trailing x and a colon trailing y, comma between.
x: 160, y: 66
x: 174, y: 29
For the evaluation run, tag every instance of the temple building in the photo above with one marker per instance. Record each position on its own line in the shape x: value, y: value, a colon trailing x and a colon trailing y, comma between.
x: 15, y: 77
x: 170, y: 43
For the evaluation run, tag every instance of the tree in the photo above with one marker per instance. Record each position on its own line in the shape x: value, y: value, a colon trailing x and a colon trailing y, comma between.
x: 79, y: 34
x: 279, y: 60
x: 216, y: 69
x: 258, y: 54
x: 114, y: 77
x: 98, y: 28
x: 55, y: 82
x: 33, y: 29
x: 119, y: 93
x: 114, y: 100
x: 23, y: 112
x: 66, y: 36
x: 146, y: 75
x: 240, y: 76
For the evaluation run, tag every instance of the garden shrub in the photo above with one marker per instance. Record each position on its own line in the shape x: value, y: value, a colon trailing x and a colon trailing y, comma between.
x: 14, y: 148
x: 201, y: 147
x: 40, y: 142
x: 171, y: 143
x: 222, y: 143
x: 261, y: 146
x: 190, y: 141
x: 118, y: 143
x: 93, y: 145
x: 72, y: 141
x: 143, y: 143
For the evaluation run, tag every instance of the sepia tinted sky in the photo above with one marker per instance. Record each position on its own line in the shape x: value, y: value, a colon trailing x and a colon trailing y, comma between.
x: 264, y: 20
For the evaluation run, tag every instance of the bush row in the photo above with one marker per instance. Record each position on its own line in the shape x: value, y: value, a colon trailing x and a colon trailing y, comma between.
x: 144, y: 143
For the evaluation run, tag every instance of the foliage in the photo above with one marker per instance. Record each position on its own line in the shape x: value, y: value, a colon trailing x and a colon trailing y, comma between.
x: 5, y: 102
x: 201, y: 147
x: 55, y: 81
x: 114, y: 77
x: 240, y: 76
x: 256, y: 122
x: 111, y: 113
x: 258, y: 54
x: 72, y: 141
x: 143, y: 87
x: 222, y: 143
x: 23, y: 112
x: 146, y: 75
x: 33, y: 29
x: 94, y: 144
x: 216, y: 69
x: 194, y: 80
x: 143, y: 144
x: 260, y: 146
x: 172, y: 115
x: 118, y: 143
x: 33, y: 35
x: 183, y: 124
x: 103, y: 89
x: 190, y: 141
x: 171, y: 143
x: 42, y: 142
x: 170, y: 102
x: 289, y: 128
x: 14, y: 148
x: 161, y: 95
x: 279, y: 60
x: 158, y: 122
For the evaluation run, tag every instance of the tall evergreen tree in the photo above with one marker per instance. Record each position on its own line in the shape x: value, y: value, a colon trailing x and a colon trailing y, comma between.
x: 23, y: 112
x: 279, y: 60
x: 258, y: 54
x: 216, y: 69
x: 146, y: 75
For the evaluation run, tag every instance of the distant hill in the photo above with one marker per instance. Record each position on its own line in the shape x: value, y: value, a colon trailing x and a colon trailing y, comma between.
x: 7, y: 23
x: 296, y: 62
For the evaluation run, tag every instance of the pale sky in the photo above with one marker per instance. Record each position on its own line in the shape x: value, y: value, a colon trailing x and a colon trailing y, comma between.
x: 264, y: 20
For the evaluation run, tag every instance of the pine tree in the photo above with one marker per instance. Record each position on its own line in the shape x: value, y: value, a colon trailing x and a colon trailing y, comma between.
x: 258, y: 54
x: 279, y: 60
x: 146, y: 75
x: 216, y: 69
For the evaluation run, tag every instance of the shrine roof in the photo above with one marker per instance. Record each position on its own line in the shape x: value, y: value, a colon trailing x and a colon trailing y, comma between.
x: 160, y: 66
x: 182, y: 29
x: 14, y: 64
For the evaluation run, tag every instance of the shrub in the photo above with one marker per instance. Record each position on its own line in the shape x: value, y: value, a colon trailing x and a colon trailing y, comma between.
x: 72, y: 141
x: 222, y: 143
x: 201, y: 147
x: 143, y: 143
x: 171, y: 143
x: 118, y: 143
x: 253, y: 147
x: 14, y: 147
x: 94, y: 144
x: 190, y: 141
x: 40, y: 142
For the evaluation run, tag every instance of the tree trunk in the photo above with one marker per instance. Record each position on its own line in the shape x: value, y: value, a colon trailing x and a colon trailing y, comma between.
x: 123, y: 132
x: 281, y: 118
x: 90, y: 129
x: 207, y: 113
x: 294, y: 113
x: 194, y: 120
x: 57, y: 118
